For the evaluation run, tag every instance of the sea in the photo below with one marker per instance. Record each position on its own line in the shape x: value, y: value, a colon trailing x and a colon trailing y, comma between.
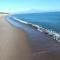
x: 48, y: 20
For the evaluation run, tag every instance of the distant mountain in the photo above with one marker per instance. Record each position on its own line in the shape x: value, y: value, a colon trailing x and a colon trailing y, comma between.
x: 36, y: 11
x: 39, y: 11
x: 3, y: 13
x: 32, y: 11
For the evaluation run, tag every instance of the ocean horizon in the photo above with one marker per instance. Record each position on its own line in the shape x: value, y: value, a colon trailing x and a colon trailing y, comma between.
x: 48, y: 20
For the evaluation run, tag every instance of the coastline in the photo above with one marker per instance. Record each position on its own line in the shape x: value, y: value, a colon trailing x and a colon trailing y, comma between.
x: 13, y: 42
x: 53, y: 34
x: 43, y: 46
x: 39, y: 45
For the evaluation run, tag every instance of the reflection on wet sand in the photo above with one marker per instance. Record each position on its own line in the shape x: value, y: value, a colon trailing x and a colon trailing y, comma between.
x: 42, y: 45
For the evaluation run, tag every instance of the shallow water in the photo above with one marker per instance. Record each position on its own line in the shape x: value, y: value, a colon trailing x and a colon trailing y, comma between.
x: 43, y: 47
x: 49, y: 20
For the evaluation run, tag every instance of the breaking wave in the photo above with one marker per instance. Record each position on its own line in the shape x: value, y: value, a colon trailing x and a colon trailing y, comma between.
x: 53, y: 34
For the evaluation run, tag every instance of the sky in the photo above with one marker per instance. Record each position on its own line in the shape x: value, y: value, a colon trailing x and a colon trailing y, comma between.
x: 24, y: 5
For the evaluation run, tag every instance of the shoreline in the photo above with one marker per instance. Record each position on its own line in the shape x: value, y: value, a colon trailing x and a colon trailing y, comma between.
x: 43, y: 47
x: 54, y: 35
x: 38, y: 44
x: 13, y: 42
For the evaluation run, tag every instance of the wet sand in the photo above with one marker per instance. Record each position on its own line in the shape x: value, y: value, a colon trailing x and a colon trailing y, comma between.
x: 13, y: 42
x: 17, y: 44
x: 43, y: 46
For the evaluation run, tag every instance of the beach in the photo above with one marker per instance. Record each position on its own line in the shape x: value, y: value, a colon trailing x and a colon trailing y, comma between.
x: 23, y: 42
x: 13, y: 42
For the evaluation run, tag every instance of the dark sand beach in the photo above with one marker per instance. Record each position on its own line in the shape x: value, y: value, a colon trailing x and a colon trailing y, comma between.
x: 26, y: 43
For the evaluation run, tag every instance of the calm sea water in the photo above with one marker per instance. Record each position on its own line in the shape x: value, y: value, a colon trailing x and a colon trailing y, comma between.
x: 49, y: 20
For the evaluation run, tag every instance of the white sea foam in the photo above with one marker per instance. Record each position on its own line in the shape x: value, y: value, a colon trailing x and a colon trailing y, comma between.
x: 19, y: 20
x: 53, y: 34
